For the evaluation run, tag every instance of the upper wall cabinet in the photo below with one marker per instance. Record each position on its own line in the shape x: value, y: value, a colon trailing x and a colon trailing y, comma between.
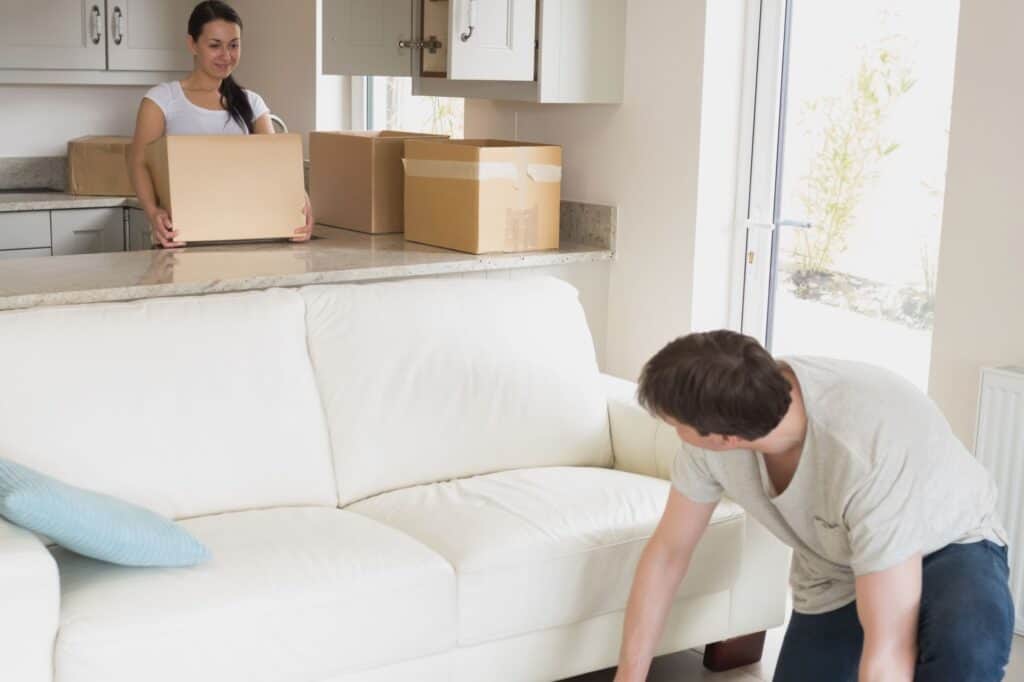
x: 148, y: 35
x: 93, y: 41
x: 490, y: 39
x: 494, y: 39
x: 361, y: 37
x: 52, y: 34
x: 531, y: 50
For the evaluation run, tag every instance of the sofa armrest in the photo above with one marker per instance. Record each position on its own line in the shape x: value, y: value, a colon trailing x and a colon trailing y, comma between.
x: 29, y: 606
x: 644, y: 445
x: 641, y: 444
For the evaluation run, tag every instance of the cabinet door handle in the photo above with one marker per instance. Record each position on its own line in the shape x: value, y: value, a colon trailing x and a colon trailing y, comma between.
x: 464, y: 37
x: 95, y: 25
x: 90, y: 230
x: 117, y: 26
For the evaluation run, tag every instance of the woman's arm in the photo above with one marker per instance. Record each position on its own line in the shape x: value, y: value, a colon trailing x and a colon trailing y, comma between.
x: 264, y: 126
x: 149, y: 126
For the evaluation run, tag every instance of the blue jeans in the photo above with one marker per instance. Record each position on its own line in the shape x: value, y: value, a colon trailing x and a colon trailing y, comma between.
x: 964, y: 629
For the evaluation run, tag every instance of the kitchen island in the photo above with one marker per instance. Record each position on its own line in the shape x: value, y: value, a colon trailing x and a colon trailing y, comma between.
x: 333, y: 255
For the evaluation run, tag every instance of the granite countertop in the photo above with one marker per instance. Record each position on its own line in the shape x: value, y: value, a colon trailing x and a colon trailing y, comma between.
x: 334, y: 255
x: 50, y: 200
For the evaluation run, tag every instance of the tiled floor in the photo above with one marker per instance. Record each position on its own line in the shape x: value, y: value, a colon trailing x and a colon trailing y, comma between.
x: 686, y: 666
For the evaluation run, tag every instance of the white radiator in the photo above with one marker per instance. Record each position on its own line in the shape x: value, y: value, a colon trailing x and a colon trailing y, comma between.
x: 999, y: 445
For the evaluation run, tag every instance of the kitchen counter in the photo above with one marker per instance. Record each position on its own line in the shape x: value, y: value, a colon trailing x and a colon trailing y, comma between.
x: 46, y: 201
x: 334, y: 255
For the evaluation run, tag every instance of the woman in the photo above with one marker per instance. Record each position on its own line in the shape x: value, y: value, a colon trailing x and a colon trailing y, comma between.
x: 207, y: 102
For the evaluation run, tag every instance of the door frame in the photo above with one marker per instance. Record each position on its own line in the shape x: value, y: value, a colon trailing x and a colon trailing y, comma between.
x: 759, y: 175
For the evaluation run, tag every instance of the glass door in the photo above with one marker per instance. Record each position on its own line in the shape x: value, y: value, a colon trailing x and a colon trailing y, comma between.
x: 848, y: 141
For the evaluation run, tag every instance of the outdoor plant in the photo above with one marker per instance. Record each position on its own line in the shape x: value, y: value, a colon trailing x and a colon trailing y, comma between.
x: 846, y: 157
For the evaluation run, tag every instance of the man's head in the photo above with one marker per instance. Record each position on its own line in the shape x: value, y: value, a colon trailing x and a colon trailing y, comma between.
x: 720, y: 390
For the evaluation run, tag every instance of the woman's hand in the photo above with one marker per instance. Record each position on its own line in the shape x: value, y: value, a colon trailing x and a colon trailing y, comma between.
x: 163, y: 230
x: 303, y: 234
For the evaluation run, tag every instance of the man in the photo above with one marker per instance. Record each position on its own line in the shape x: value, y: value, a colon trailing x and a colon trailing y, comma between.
x: 899, y: 566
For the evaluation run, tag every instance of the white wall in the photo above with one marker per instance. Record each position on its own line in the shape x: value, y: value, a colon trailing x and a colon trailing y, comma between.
x: 39, y: 120
x: 979, y: 317
x: 642, y: 156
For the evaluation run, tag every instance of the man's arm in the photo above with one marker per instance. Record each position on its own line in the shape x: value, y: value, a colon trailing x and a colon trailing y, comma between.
x: 887, y: 605
x: 663, y: 564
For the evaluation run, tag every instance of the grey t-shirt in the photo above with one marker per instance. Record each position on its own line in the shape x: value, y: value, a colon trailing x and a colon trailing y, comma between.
x: 881, y: 476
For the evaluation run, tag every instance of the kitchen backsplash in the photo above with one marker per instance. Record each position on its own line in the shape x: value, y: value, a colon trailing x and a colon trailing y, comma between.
x: 33, y: 172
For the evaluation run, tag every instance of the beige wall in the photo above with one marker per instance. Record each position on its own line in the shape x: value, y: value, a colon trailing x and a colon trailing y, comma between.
x: 281, y: 61
x: 980, y: 291
x: 641, y: 155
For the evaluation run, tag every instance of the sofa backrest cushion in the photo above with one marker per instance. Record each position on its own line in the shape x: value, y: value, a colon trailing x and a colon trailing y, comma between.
x: 186, y: 406
x: 430, y: 380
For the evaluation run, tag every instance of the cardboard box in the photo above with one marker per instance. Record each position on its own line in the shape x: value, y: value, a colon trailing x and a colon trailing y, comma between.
x: 229, y: 187
x: 98, y: 165
x: 356, y: 179
x: 483, y: 196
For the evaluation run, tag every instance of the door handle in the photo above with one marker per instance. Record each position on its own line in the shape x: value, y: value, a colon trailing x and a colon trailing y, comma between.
x: 95, y: 25
x: 91, y: 230
x: 770, y: 227
x: 117, y: 26
x: 464, y: 37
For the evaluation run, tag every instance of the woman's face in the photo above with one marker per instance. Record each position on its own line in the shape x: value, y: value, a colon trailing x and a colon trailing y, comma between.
x: 218, y: 48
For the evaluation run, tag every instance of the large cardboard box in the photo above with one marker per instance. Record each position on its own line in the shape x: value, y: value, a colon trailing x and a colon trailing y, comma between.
x: 98, y: 165
x: 356, y: 179
x: 483, y: 196
x: 229, y: 187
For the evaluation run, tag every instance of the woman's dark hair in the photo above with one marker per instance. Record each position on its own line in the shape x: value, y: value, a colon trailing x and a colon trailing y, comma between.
x: 717, y: 382
x: 232, y: 95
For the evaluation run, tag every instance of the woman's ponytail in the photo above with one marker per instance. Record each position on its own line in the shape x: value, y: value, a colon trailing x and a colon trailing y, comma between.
x: 236, y: 102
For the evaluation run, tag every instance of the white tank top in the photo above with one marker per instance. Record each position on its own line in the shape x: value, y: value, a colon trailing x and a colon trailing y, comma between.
x: 182, y: 117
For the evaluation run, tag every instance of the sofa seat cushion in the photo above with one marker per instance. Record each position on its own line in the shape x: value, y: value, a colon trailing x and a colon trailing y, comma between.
x: 541, y: 548
x: 297, y: 594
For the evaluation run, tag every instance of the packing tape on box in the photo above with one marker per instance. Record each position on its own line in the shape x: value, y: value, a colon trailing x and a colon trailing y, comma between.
x: 521, y: 228
x: 479, y: 170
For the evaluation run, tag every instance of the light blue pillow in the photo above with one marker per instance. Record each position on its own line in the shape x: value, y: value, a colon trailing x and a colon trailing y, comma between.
x: 92, y: 524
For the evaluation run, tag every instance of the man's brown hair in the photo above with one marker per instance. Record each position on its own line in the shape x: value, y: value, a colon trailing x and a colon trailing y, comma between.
x: 717, y: 382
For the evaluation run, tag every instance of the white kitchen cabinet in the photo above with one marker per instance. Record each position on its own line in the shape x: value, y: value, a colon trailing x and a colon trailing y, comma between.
x: 148, y: 35
x: 570, y: 51
x: 52, y: 34
x: 361, y: 37
x: 93, y: 42
x: 581, y: 52
x: 24, y: 253
x: 25, y: 230
x: 492, y: 39
x: 139, y: 236
x: 88, y: 230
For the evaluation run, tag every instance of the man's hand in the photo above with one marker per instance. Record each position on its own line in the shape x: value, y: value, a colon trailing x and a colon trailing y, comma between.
x: 663, y: 564
x: 887, y: 605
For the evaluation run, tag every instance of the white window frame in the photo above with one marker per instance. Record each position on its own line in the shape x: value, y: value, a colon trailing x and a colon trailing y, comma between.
x: 758, y: 173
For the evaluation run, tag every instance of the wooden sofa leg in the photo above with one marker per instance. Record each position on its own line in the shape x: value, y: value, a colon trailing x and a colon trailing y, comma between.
x: 734, y: 653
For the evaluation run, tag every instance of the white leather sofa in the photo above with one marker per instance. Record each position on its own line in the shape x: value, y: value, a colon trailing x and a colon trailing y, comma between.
x: 425, y: 480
